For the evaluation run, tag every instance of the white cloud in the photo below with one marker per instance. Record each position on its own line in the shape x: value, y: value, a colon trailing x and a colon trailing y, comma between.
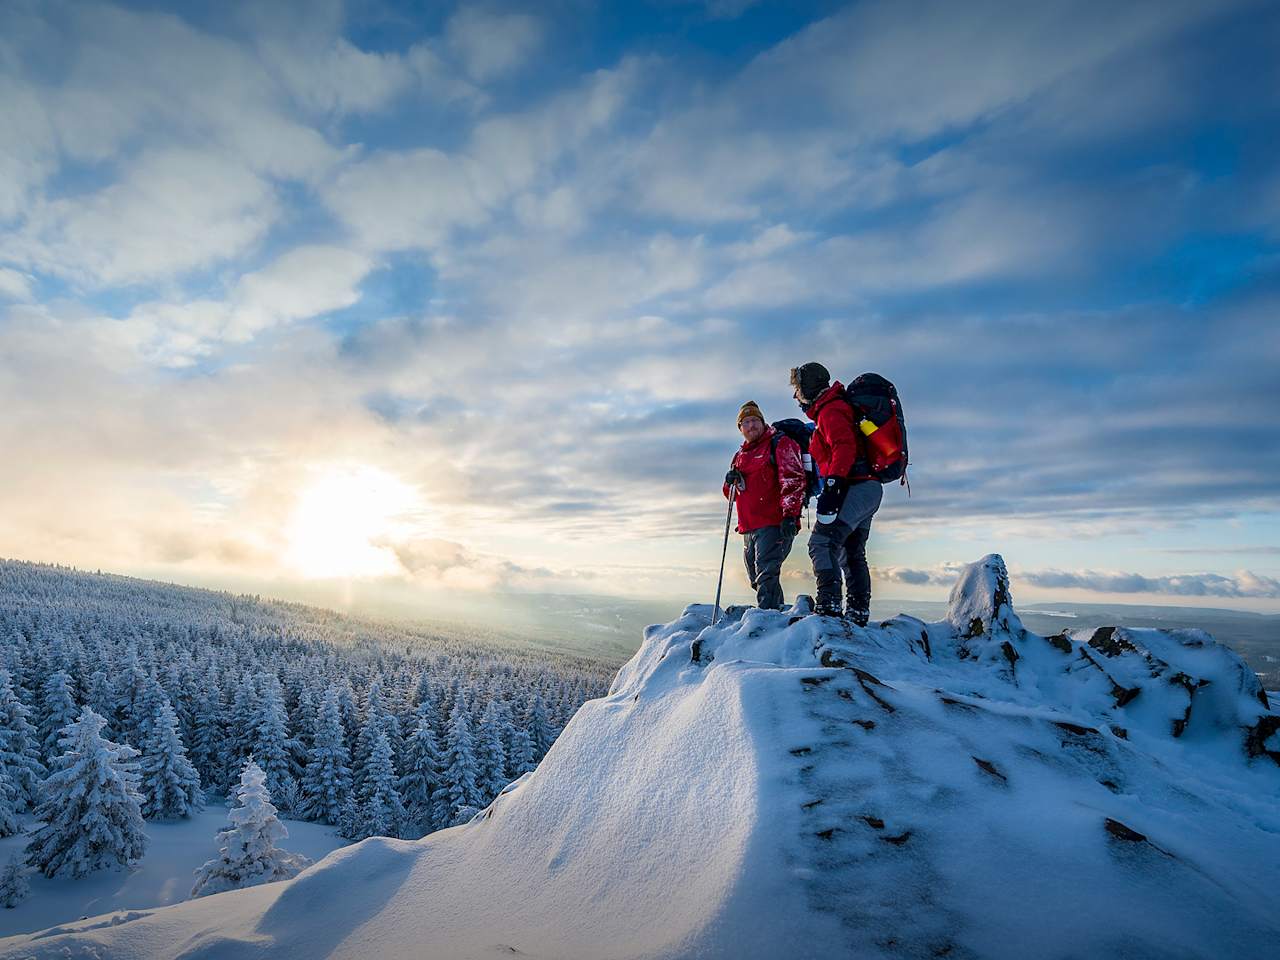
x: 916, y: 68
x: 173, y: 211
x: 1244, y: 584
x: 417, y: 198
x: 409, y: 198
x: 304, y: 282
x: 302, y: 45
x: 14, y: 285
x: 29, y: 152
x: 151, y: 76
x: 490, y: 45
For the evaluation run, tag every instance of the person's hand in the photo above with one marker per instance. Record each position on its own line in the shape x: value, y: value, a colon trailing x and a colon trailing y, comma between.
x: 734, y: 478
x: 831, y: 498
x: 790, y: 526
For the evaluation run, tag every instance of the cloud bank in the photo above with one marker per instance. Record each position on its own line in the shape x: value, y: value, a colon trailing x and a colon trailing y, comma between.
x: 530, y: 264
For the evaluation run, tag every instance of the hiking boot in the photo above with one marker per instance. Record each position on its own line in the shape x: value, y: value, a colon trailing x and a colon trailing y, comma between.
x: 824, y: 609
x: 858, y: 616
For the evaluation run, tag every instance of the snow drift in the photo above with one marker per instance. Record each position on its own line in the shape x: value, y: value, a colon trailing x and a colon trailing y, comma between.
x: 777, y: 786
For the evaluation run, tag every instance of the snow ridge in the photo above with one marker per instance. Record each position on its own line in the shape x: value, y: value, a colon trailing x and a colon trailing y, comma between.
x: 784, y: 786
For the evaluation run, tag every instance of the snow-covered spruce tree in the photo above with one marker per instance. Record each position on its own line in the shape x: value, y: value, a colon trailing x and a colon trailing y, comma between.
x: 539, y: 726
x: 206, y: 749
x: 362, y: 753
x: 491, y: 755
x: 170, y: 786
x: 19, y: 745
x: 89, y: 805
x: 377, y: 719
x: 240, y: 727
x: 521, y: 759
x: 384, y: 810
x: 99, y: 694
x: 13, y: 883
x: 326, y: 783
x: 58, y: 708
x: 460, y: 763
x: 247, y: 851
x: 271, y: 742
x: 128, y: 699
x: 9, y: 804
x: 421, y: 768
x: 148, y: 708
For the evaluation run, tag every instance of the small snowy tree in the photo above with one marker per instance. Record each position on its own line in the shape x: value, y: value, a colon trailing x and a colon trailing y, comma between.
x: 539, y: 726
x: 521, y: 759
x: 9, y: 803
x: 326, y: 783
x: 460, y: 763
x: 19, y: 744
x: 170, y: 785
x: 381, y: 810
x: 491, y: 755
x: 421, y: 768
x: 272, y: 746
x: 89, y: 805
x: 247, y: 851
x: 13, y: 883
x: 59, y: 710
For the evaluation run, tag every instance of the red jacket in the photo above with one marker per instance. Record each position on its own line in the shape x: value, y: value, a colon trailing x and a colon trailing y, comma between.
x: 836, y: 444
x: 772, y: 491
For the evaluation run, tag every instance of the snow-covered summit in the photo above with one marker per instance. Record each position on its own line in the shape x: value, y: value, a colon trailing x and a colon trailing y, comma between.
x: 777, y: 786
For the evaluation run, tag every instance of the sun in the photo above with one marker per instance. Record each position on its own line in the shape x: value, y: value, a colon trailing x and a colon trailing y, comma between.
x: 344, y: 519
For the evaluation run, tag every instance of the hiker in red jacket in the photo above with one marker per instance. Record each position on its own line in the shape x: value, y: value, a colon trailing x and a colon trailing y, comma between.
x: 769, y: 475
x: 848, y: 498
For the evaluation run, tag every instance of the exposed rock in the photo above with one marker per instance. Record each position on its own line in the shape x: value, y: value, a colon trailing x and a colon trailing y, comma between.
x: 1121, y: 832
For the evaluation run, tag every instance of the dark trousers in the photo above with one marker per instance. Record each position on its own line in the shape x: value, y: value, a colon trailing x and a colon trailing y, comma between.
x: 839, y: 549
x: 857, y: 575
x: 764, y: 551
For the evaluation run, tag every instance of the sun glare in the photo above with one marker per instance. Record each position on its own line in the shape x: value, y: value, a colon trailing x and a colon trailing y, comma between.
x: 344, y: 520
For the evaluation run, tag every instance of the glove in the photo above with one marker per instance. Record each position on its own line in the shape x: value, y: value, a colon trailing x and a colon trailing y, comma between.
x: 790, y: 526
x: 734, y: 478
x: 831, y: 498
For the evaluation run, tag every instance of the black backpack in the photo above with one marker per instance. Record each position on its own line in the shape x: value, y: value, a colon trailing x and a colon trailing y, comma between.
x: 800, y: 432
x: 877, y: 413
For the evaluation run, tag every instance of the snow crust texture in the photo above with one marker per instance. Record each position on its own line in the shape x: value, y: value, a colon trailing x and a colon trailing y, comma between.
x: 797, y: 787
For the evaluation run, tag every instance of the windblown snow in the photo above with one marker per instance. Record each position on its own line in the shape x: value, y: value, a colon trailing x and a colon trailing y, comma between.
x: 778, y: 786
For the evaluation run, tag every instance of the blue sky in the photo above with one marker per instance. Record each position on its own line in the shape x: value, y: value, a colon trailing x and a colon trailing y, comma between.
x: 307, y: 295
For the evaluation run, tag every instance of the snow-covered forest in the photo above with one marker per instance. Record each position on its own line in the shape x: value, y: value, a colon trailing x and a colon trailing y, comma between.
x: 372, y: 728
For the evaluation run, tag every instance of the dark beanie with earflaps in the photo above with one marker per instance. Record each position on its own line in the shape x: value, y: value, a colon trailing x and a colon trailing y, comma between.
x: 810, y: 379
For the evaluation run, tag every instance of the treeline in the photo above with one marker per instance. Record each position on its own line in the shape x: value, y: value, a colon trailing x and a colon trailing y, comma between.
x: 374, y: 728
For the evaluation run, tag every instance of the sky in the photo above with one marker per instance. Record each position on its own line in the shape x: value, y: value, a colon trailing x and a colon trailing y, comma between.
x: 388, y: 302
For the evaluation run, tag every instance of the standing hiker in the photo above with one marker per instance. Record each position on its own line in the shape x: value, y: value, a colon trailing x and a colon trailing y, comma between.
x: 848, y: 497
x: 768, y: 473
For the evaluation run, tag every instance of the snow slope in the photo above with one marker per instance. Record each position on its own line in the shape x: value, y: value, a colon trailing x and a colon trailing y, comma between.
x: 809, y: 789
x: 174, y: 850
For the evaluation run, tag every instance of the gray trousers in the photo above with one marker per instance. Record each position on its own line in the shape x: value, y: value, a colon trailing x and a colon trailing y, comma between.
x: 839, y: 547
x: 763, y: 551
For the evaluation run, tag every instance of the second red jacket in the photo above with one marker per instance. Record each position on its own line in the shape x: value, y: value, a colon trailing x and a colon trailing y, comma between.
x: 772, y: 491
x: 836, y: 445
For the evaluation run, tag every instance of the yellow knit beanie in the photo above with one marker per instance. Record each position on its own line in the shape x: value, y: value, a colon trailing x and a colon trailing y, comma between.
x: 749, y: 409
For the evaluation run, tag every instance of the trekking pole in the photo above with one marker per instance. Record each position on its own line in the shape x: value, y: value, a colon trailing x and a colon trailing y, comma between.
x: 733, y: 492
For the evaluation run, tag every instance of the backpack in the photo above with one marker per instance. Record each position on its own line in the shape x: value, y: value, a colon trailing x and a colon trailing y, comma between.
x: 878, y: 413
x: 800, y: 432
